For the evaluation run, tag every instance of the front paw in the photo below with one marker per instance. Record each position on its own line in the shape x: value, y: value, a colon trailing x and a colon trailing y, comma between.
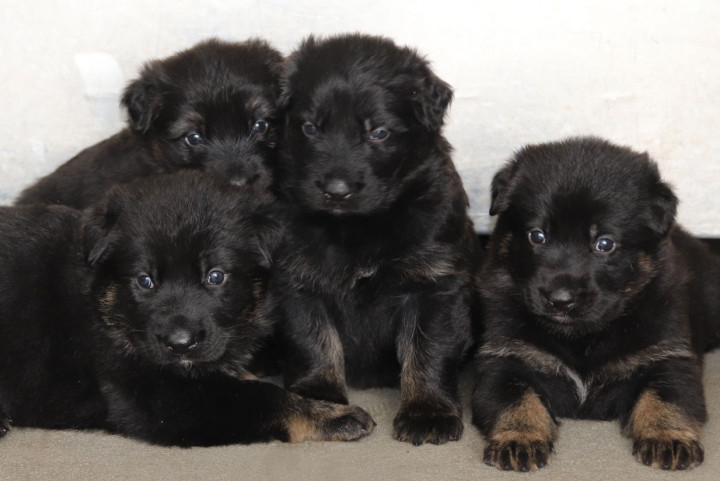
x: 671, y: 454
x: 347, y: 423
x: 418, y: 426
x: 522, y: 437
x: 663, y: 435
x: 518, y: 455
x: 325, y: 421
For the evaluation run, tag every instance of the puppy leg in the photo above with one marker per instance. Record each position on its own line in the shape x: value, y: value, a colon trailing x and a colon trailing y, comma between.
x: 315, y: 364
x: 430, y: 348
x: 219, y: 410
x: 663, y: 436
x: 313, y: 420
x: 507, y: 407
x: 665, y: 421
x: 523, y: 436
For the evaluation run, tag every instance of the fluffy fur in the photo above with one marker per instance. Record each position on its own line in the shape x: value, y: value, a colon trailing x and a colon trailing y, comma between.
x: 140, y: 318
x: 373, y: 284
x: 597, y: 306
x: 211, y: 107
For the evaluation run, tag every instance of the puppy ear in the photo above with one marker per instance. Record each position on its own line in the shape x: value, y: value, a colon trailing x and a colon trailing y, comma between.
x: 143, y: 99
x: 99, y: 234
x: 431, y: 101
x: 500, y: 189
x: 662, y: 208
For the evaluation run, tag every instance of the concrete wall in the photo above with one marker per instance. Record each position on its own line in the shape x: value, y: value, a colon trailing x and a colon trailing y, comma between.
x: 644, y: 73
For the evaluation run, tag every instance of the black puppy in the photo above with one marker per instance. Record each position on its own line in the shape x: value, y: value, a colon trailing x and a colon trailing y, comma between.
x: 150, y: 339
x: 373, y: 283
x: 597, y: 306
x: 211, y: 107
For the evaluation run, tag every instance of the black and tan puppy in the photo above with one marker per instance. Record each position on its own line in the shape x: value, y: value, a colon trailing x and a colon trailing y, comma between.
x: 211, y: 107
x: 597, y: 306
x: 151, y: 337
x: 374, y: 281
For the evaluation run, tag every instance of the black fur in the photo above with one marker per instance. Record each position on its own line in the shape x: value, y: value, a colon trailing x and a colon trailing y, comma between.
x: 150, y: 337
x: 219, y: 90
x: 596, y: 302
x: 374, y: 281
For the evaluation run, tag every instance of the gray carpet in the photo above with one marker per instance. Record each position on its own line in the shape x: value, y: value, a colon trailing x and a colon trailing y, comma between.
x: 585, y: 451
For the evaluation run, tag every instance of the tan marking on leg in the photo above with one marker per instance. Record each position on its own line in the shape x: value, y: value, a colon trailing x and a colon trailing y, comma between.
x: 524, y: 429
x: 323, y: 421
x: 659, y: 426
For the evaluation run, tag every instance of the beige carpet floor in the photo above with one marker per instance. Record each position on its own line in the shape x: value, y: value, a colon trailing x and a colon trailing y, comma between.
x: 585, y: 451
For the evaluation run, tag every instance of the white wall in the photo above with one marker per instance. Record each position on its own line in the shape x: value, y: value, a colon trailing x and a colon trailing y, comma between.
x: 644, y: 73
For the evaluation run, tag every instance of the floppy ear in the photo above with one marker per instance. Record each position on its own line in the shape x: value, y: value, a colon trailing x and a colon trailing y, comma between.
x: 99, y: 234
x: 662, y: 208
x: 500, y: 188
x: 431, y: 101
x: 428, y: 95
x: 143, y: 99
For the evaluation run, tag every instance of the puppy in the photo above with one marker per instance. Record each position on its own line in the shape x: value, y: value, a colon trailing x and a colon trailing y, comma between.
x: 597, y: 306
x: 373, y: 284
x: 147, y: 334
x: 210, y: 108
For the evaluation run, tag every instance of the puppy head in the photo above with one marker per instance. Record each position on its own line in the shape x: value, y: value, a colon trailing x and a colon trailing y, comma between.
x: 180, y: 271
x: 363, y: 117
x: 213, y: 108
x: 581, y: 226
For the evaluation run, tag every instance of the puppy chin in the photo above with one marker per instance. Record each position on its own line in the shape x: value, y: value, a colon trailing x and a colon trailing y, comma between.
x: 201, y: 356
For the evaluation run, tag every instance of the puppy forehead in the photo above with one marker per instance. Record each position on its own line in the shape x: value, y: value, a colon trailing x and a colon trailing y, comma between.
x: 348, y: 97
x: 240, y: 108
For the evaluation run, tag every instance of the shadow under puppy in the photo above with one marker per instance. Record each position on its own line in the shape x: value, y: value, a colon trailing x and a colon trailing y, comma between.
x: 597, y: 306
x: 373, y: 284
x: 150, y: 337
x: 211, y: 107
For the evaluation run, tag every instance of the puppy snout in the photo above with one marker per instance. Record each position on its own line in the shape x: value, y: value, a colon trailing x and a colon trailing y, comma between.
x: 562, y: 299
x: 336, y: 189
x: 181, y: 338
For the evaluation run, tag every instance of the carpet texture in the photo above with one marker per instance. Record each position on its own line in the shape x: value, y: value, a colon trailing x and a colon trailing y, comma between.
x: 586, y: 450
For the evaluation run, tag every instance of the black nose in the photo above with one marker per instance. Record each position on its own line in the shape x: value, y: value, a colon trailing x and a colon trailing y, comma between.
x: 336, y: 189
x: 180, y: 340
x: 561, y: 299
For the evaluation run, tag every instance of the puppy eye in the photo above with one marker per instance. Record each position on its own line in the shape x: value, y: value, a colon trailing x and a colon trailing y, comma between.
x: 194, y: 139
x: 605, y: 245
x: 260, y: 127
x: 216, y: 277
x: 145, y: 282
x: 378, y: 135
x: 310, y: 129
x: 536, y: 237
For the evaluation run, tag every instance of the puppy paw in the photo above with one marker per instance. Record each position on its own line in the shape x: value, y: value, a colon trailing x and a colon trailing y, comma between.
x: 523, y: 436
x: 418, y: 426
x: 348, y: 424
x: 671, y: 454
x: 663, y: 436
x: 325, y: 421
x: 518, y: 455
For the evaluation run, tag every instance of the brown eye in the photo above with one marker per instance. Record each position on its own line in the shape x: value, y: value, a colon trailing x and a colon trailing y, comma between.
x: 310, y: 129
